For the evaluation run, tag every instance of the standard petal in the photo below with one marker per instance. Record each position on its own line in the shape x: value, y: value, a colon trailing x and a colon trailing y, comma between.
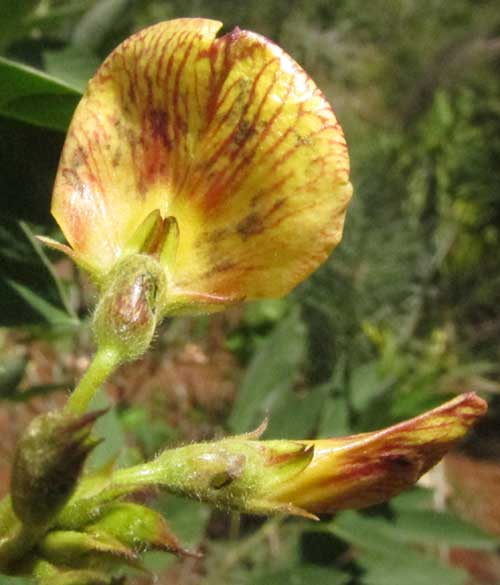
x: 229, y: 136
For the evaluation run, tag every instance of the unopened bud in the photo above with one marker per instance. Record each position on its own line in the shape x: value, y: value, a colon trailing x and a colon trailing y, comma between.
x: 309, y: 477
x: 46, y: 573
x: 139, y: 528
x: 80, y: 550
x: 367, y: 469
x: 47, y: 463
x: 127, y: 314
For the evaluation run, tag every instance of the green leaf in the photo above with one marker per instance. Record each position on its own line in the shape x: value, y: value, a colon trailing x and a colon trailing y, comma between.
x: 40, y: 252
x: 440, y: 528
x: 98, y: 22
x: 301, y: 575
x: 416, y: 499
x: 109, y: 429
x: 72, y: 66
x: 31, y: 293
x: 295, y: 416
x: 151, y: 432
x: 335, y: 418
x: 366, y: 384
x: 410, y: 569
x: 187, y: 518
x: 271, y: 374
x: 32, y: 96
x: 386, y: 559
x: 54, y: 316
x: 261, y: 313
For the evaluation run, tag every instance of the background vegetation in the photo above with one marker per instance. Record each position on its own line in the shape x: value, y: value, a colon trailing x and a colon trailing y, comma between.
x: 404, y: 315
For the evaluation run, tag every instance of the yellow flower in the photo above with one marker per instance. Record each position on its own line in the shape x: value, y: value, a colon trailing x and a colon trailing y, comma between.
x: 366, y: 469
x: 217, y: 155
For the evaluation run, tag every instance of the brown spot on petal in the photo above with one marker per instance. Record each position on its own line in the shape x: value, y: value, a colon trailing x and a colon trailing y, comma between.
x: 115, y: 161
x: 222, y: 266
x: 79, y: 157
x: 73, y: 179
x: 250, y: 226
x: 244, y: 131
x: 217, y: 235
x: 399, y: 461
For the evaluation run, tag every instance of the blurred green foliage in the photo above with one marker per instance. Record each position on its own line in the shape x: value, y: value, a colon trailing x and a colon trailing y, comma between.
x: 404, y: 314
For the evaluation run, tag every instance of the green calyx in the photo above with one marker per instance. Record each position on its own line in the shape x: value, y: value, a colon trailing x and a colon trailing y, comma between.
x: 131, y: 306
x: 235, y: 473
x: 47, y: 464
x: 132, y: 303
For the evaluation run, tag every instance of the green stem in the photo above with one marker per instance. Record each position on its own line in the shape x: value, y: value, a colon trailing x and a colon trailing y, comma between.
x: 15, y: 538
x: 105, y: 362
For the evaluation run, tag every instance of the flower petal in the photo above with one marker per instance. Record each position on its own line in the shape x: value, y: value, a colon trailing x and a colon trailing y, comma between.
x: 227, y: 135
x: 366, y: 469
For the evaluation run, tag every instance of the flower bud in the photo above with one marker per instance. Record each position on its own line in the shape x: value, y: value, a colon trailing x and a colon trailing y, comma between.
x: 47, y: 463
x: 295, y: 477
x: 308, y: 477
x: 79, y: 550
x: 138, y: 528
x: 127, y: 313
x: 367, y: 469
x: 82, y: 577
x: 46, y: 573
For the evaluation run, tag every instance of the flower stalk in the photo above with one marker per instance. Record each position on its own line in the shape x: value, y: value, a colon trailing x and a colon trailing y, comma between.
x: 104, y: 363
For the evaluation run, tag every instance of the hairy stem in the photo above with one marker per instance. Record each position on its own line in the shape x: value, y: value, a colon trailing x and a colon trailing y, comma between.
x: 105, y: 362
